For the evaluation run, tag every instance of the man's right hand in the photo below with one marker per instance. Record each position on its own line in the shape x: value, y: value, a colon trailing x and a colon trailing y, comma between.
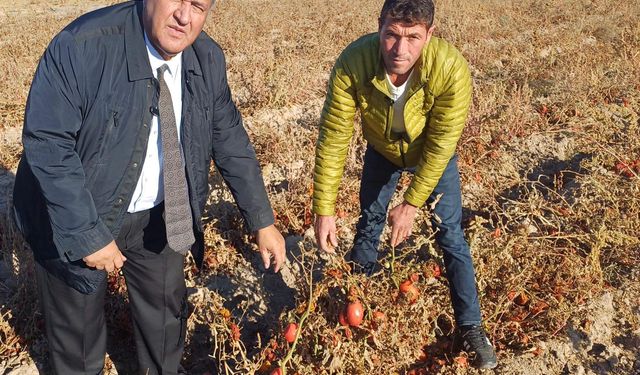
x: 108, y: 258
x: 325, y: 228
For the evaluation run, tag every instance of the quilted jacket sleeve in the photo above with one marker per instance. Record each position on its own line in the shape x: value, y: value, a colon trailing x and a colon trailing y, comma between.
x: 336, y: 130
x: 446, y: 121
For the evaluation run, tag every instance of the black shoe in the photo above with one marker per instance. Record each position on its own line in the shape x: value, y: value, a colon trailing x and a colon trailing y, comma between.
x: 474, y: 341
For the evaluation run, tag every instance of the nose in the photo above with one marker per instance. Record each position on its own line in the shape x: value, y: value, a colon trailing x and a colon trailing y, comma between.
x: 183, y: 13
x: 401, y: 46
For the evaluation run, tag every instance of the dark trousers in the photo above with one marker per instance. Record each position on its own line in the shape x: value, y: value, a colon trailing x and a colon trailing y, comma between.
x: 75, y: 323
x: 379, y: 180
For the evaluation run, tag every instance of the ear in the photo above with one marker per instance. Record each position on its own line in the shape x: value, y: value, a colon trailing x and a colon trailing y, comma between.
x: 430, y: 31
x: 429, y: 34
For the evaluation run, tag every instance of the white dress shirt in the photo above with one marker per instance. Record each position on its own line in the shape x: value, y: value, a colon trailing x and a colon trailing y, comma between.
x: 149, y: 191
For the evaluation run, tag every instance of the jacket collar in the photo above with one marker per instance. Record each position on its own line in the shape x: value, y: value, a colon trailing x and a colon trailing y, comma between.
x: 135, y: 49
x: 138, y: 66
x: 417, y: 80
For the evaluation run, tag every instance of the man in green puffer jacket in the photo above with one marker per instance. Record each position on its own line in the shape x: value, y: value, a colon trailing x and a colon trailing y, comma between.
x: 413, y: 92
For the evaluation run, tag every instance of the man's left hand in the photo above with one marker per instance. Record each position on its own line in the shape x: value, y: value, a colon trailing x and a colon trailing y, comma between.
x: 401, y: 221
x: 271, y: 244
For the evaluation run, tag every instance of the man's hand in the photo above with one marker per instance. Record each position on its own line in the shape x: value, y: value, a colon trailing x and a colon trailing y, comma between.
x: 108, y: 258
x: 325, y: 228
x: 270, y: 243
x: 401, y: 221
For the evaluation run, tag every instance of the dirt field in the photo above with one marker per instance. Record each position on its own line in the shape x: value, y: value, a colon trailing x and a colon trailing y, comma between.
x: 550, y: 163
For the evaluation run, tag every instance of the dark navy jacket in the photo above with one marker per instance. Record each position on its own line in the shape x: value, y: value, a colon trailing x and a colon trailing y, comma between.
x: 85, y: 135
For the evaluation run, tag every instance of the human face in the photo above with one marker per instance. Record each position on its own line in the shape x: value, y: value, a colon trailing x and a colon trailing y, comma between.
x: 173, y: 25
x: 401, y: 45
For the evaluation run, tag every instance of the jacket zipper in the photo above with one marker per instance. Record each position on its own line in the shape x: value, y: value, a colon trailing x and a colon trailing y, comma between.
x: 415, y: 92
x: 389, y: 119
x: 388, y: 130
x: 404, y: 163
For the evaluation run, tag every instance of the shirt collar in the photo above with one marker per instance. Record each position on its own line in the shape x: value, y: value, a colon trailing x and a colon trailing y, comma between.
x: 393, y: 87
x: 156, y: 61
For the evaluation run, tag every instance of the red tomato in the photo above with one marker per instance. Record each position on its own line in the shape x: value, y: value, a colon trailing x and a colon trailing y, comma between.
x: 411, y: 294
x: 414, y: 277
x: 405, y: 285
x: 422, y: 357
x: 437, y: 272
x: 276, y: 371
x: 290, y: 332
x: 521, y: 299
x: 348, y: 334
x: 355, y: 313
x: 461, y: 361
x: 342, y: 318
x: 269, y: 355
x: 235, y: 332
x: 379, y: 316
x: 431, y: 269
x: 378, y: 319
x: 264, y: 367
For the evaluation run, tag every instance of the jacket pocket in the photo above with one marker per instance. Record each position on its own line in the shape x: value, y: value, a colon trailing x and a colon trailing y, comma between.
x: 105, y: 143
x: 75, y: 274
x: 209, y: 128
x: 197, y: 132
x: 109, y: 130
x: 363, y: 103
x: 428, y: 101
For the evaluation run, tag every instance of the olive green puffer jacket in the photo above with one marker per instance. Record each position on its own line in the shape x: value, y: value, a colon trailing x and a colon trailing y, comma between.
x: 435, y: 113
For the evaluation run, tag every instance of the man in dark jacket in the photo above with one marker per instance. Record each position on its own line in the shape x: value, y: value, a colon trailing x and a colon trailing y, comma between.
x: 127, y: 108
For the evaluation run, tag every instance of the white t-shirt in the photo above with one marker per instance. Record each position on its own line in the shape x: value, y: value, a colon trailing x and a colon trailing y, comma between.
x: 399, y: 96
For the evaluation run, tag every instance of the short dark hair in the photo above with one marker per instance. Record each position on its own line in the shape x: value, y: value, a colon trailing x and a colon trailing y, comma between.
x: 409, y: 11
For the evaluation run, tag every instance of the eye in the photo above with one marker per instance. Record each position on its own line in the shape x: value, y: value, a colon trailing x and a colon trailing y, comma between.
x: 390, y: 36
x: 198, y: 7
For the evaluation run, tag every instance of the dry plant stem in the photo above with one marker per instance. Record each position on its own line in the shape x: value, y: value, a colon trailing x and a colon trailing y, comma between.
x: 617, y: 158
x: 287, y: 358
x: 393, y: 262
x: 560, y: 327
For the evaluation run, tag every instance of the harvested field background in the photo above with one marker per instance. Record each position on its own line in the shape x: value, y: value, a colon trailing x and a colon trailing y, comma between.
x: 550, y: 162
